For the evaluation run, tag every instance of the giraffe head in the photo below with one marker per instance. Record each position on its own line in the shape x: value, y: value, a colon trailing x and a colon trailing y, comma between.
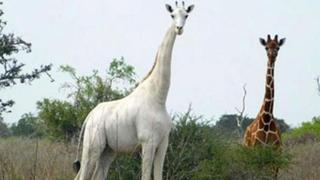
x: 179, y: 15
x: 272, y: 46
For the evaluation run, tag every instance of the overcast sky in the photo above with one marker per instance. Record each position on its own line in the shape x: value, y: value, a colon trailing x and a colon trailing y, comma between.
x: 218, y: 52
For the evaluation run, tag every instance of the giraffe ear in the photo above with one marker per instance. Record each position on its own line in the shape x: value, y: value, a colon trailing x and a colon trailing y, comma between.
x: 169, y: 8
x: 190, y: 8
x: 282, y: 41
x: 262, y: 41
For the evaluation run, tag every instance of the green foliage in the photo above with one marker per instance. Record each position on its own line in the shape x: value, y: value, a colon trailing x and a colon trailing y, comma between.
x: 191, y: 141
x: 227, y: 125
x: 259, y: 162
x: 28, y: 125
x: 59, y: 118
x: 118, y: 69
x: 239, y: 162
x: 63, y: 119
x: 126, y: 167
x: 11, y: 71
x: 93, y: 89
x: 308, y: 131
x: 284, y: 127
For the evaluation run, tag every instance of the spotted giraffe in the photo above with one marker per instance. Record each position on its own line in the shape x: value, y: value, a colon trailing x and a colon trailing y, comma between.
x: 263, y: 130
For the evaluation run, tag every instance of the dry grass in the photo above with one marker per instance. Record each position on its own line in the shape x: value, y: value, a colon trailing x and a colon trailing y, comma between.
x: 20, y: 159
x: 54, y: 160
x: 306, y: 162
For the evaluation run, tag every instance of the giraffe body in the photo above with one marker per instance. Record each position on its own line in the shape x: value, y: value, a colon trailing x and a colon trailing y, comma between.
x: 264, y: 130
x: 138, y: 120
x: 260, y: 133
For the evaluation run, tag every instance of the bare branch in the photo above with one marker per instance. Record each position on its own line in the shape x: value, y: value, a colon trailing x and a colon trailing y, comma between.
x: 318, y: 84
x: 240, y: 117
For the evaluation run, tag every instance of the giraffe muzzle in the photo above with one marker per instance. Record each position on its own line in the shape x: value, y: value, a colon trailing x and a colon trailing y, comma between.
x: 179, y: 30
x: 272, y: 53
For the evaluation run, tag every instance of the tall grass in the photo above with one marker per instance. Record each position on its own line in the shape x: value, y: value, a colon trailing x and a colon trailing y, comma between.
x: 54, y: 161
x: 195, y: 152
x: 22, y: 158
x: 305, y: 164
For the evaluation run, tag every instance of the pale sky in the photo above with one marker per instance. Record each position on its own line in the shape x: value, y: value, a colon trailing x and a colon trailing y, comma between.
x: 218, y: 52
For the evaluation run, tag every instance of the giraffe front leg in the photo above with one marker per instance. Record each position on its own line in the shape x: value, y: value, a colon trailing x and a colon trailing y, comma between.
x: 148, y: 151
x: 247, y: 138
x: 159, y: 159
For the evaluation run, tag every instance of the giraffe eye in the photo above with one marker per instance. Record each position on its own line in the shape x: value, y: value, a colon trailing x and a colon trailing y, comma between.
x: 267, y: 48
x: 186, y: 16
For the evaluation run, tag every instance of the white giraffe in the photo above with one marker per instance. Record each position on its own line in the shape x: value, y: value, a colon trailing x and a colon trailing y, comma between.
x: 138, y: 120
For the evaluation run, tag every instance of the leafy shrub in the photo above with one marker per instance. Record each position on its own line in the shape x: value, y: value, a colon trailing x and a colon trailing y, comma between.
x: 239, y: 162
x: 28, y: 126
x: 308, y: 132
x: 63, y: 118
x: 191, y: 141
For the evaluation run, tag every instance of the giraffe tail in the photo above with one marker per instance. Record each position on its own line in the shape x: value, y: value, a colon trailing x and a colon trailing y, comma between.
x: 76, y: 163
x: 76, y: 166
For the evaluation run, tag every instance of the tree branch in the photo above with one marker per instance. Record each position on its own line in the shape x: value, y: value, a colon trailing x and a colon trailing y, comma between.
x: 318, y: 84
x: 11, y: 72
x: 240, y: 117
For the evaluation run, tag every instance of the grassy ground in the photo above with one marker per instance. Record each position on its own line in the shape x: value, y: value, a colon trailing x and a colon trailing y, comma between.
x: 21, y: 159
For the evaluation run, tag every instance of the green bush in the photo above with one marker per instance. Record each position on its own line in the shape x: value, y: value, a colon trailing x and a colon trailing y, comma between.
x: 63, y: 118
x: 239, y: 162
x: 191, y: 141
x: 308, y: 131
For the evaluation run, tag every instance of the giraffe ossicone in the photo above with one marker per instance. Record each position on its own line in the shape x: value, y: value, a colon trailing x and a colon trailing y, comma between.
x: 137, y: 120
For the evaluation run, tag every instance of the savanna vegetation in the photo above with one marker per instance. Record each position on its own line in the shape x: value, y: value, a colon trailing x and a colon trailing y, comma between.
x: 43, y: 145
x: 196, y: 151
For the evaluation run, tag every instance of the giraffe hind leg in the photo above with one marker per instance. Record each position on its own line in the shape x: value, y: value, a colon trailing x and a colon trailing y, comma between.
x: 94, y: 143
x: 103, y: 164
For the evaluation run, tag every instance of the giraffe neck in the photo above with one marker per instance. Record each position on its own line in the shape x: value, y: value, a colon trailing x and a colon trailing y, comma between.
x: 268, y: 100
x: 158, y: 79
